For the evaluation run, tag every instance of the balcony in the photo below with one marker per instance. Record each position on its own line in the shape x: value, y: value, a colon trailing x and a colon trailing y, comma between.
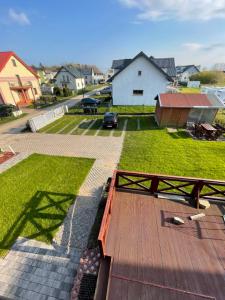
x: 20, y: 86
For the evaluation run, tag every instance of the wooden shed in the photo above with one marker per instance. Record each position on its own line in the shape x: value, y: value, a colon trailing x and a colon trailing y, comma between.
x: 178, y: 109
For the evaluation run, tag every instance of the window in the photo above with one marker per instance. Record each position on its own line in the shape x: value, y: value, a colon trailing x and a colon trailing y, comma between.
x: 14, y: 63
x: 35, y: 91
x: 138, y: 92
x: 68, y: 78
x: 139, y: 73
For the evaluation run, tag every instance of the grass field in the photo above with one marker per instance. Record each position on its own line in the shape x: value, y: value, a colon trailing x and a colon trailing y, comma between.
x: 220, y: 117
x: 36, y: 194
x: 187, y: 90
x: 120, y: 109
x: 10, y: 119
x: 154, y: 150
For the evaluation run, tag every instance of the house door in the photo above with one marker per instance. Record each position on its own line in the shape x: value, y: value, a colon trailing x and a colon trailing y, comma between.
x: 22, y: 97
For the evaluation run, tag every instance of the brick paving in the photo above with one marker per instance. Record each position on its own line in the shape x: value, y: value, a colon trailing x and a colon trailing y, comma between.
x: 35, y: 270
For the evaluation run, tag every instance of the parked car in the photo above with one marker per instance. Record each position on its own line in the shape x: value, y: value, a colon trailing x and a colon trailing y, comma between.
x: 110, y: 120
x: 6, y: 110
x: 90, y: 102
x: 107, y: 90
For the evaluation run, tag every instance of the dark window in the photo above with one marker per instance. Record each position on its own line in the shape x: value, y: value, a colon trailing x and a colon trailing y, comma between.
x: 35, y: 91
x: 14, y: 62
x: 139, y: 73
x: 138, y: 92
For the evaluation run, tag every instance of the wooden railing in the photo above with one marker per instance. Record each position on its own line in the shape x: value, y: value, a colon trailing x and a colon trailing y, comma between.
x: 192, y: 189
x: 107, y: 216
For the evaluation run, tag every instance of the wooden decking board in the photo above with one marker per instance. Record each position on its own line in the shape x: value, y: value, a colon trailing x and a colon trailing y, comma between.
x: 147, y: 247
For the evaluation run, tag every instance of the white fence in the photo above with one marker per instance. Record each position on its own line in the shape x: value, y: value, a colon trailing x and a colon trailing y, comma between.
x: 218, y: 91
x: 41, y: 121
x: 193, y: 84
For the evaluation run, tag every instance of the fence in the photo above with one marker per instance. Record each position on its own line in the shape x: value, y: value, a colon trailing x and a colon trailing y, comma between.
x: 41, y: 121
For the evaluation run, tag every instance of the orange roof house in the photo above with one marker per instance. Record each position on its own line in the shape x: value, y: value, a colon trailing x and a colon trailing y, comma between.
x: 19, y: 84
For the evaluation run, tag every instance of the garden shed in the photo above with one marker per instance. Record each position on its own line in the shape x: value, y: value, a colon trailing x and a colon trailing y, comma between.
x: 178, y: 109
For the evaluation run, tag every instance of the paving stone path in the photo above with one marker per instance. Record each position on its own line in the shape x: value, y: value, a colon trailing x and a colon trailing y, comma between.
x: 35, y: 270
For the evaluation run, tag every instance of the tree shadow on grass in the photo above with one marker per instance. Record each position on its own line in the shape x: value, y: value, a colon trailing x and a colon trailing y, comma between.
x: 180, y: 134
x: 42, y: 215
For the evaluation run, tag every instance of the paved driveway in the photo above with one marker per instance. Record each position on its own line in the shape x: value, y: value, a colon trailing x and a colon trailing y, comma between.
x: 35, y: 270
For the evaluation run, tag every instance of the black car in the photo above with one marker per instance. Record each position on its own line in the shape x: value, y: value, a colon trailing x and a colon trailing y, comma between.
x: 110, y: 120
x: 90, y: 102
x: 107, y: 90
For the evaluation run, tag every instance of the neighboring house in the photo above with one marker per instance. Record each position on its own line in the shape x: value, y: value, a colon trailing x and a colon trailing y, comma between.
x: 137, y: 81
x: 109, y: 74
x: 50, y: 75
x: 69, y: 77
x: 19, y: 83
x: 91, y: 73
x: 178, y: 109
x: 41, y: 74
x: 185, y: 72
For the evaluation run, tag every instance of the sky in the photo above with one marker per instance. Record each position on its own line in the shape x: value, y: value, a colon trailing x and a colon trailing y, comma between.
x: 98, y: 31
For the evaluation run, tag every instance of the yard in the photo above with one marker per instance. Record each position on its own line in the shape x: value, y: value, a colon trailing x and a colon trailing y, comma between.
x: 188, y: 90
x: 37, y: 194
x: 154, y: 150
x: 120, y: 109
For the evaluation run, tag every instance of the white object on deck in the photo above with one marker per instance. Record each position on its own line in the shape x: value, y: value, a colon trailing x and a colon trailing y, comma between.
x: 196, y: 217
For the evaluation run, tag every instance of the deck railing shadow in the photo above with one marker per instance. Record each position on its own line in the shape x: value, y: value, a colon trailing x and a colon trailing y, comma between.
x: 36, y: 212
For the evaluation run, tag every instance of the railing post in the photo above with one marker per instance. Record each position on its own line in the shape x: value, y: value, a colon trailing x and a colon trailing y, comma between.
x: 196, y: 193
x: 117, y: 180
x: 154, y: 185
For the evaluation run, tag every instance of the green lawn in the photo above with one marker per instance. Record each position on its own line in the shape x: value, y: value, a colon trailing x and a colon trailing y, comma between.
x: 187, y: 90
x: 154, y: 150
x: 120, y: 109
x: 36, y: 195
x: 10, y: 119
x: 220, y: 117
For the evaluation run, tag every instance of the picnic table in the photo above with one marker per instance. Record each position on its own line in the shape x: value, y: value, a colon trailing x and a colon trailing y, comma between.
x: 207, y: 127
x: 209, y: 132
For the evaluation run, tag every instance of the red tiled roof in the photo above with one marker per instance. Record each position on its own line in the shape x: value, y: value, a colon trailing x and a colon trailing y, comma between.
x: 184, y: 100
x: 5, y: 56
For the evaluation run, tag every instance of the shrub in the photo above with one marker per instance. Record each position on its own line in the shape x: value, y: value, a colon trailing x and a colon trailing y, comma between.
x: 67, y: 92
x: 209, y: 77
x: 7, y: 110
x: 58, y: 91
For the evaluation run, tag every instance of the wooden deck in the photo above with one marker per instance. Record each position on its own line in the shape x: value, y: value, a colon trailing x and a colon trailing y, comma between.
x: 151, y: 258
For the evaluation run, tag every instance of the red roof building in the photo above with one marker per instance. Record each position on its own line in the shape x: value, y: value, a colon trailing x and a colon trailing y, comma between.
x: 19, y: 84
x: 178, y: 109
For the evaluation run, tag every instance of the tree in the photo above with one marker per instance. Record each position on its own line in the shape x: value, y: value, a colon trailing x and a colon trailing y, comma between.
x: 209, y: 77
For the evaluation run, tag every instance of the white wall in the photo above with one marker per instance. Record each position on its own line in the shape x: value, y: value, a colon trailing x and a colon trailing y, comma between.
x: 64, y: 77
x: 152, y: 82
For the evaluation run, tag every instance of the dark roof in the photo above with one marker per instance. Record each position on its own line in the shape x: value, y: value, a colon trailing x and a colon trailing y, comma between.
x: 189, y: 101
x: 167, y: 64
x: 182, y: 69
x: 122, y: 64
x: 72, y: 70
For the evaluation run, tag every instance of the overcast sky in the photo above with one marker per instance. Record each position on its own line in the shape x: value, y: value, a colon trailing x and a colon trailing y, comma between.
x: 98, y: 31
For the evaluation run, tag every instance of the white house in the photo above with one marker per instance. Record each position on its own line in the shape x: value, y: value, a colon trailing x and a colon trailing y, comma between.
x: 92, y: 74
x: 139, y: 81
x: 69, y: 77
x: 185, y: 72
